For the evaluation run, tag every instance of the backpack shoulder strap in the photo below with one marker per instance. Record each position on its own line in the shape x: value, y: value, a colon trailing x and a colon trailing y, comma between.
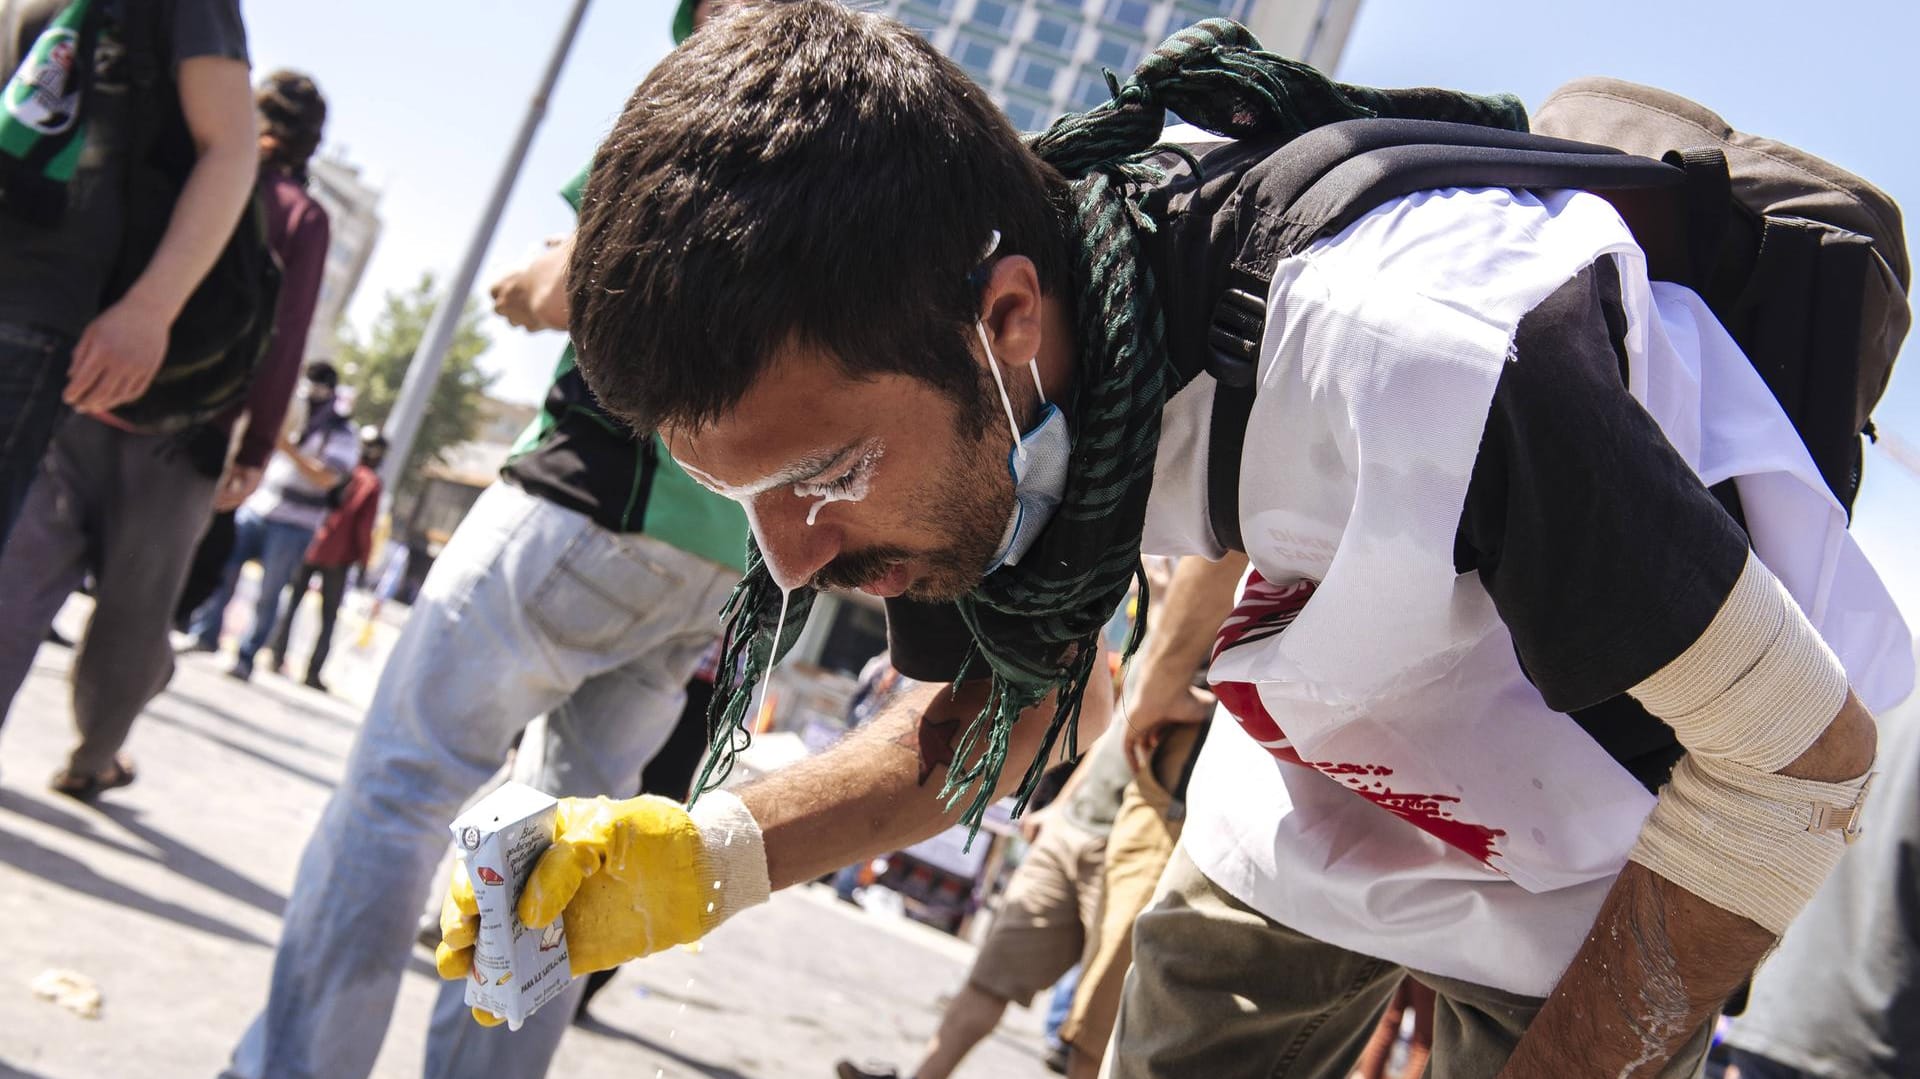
x: 1329, y: 178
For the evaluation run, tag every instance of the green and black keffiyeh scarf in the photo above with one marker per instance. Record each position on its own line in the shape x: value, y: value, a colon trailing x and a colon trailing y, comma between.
x: 1034, y: 625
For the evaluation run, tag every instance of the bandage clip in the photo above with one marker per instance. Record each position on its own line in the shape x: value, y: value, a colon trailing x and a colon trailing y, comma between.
x: 1842, y: 819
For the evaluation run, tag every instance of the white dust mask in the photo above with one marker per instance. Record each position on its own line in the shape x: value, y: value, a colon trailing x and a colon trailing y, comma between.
x: 1037, y: 462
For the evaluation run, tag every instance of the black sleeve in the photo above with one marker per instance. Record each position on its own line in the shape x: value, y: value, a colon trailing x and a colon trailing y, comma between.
x: 208, y: 28
x: 928, y: 642
x: 1604, y: 554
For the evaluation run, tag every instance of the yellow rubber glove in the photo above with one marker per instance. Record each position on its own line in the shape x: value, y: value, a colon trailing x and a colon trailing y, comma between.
x: 632, y: 878
x: 459, y: 928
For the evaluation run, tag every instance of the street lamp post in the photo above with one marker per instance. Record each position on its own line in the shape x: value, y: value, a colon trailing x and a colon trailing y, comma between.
x: 416, y: 390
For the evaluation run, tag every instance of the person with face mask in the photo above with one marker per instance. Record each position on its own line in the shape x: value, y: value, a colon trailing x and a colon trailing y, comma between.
x: 275, y: 525
x: 1510, y: 702
x: 129, y: 506
x: 343, y: 542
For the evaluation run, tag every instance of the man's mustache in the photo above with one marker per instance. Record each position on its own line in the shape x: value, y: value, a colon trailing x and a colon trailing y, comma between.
x: 849, y: 571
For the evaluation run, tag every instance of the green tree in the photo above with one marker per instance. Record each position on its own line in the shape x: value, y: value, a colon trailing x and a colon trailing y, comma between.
x: 376, y: 366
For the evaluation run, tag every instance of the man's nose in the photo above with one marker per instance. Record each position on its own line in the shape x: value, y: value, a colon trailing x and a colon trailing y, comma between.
x: 794, y: 549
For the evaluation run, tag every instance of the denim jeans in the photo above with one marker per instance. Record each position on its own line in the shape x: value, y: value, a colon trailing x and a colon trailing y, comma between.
x: 279, y: 547
x: 1060, y: 1005
x: 33, y: 374
x: 532, y: 610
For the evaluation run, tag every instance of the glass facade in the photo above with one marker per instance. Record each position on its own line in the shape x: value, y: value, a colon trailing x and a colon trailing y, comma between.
x: 1056, y: 33
x: 1118, y: 55
x: 1139, y: 15
x: 1035, y: 73
x: 976, y: 55
x: 1039, y: 59
x: 1028, y: 115
x: 995, y: 15
x: 1089, y: 89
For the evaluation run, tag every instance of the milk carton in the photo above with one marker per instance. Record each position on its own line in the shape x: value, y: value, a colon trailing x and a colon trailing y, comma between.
x: 515, y: 969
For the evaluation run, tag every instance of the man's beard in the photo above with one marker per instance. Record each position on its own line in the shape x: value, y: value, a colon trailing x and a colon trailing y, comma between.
x: 970, y: 503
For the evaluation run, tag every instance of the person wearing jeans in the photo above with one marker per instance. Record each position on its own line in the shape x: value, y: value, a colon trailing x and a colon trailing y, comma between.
x: 573, y: 603
x: 531, y: 610
x: 278, y: 546
x: 275, y: 526
x: 343, y: 542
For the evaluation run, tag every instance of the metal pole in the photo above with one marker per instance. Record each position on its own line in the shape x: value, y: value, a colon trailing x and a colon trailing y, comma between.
x: 1899, y: 451
x: 410, y: 407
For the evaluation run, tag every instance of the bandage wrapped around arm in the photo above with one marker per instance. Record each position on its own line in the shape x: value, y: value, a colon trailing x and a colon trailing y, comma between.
x: 1747, y: 699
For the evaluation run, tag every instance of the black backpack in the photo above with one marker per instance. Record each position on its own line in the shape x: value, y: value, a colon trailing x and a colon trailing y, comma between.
x: 226, y: 327
x: 1804, y: 264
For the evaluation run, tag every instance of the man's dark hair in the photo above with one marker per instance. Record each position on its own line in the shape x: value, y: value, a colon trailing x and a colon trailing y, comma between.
x: 322, y: 373
x: 798, y: 173
x: 293, y: 112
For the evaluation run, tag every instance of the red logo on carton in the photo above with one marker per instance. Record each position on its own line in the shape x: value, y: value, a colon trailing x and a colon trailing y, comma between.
x: 489, y: 876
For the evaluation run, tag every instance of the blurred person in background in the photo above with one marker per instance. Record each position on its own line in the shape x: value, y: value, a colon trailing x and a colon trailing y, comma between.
x: 275, y: 524
x: 344, y: 542
x: 95, y: 88
x: 1163, y: 719
x: 1046, y: 921
x: 129, y: 507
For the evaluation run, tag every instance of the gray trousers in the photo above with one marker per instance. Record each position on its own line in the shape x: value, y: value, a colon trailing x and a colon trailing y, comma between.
x: 1220, y: 990
x: 130, y: 509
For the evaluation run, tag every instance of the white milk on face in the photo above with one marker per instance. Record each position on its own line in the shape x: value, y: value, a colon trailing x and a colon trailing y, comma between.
x: 858, y: 486
x: 773, y: 656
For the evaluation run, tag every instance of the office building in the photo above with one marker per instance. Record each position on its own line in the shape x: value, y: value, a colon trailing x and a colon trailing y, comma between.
x: 1042, y: 58
x: 352, y: 207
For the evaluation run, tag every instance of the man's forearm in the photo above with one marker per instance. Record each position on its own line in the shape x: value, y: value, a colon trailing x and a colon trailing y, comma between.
x: 312, y: 469
x: 879, y: 789
x: 1660, y: 960
x: 1182, y: 629
x: 1656, y: 968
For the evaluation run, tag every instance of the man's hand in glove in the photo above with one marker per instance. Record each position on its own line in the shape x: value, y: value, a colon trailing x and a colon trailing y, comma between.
x: 632, y: 878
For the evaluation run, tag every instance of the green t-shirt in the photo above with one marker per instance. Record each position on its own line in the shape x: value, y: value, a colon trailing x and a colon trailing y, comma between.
x: 576, y: 455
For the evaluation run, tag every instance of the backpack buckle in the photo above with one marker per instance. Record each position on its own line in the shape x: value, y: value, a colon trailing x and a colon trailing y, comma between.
x: 1239, y: 322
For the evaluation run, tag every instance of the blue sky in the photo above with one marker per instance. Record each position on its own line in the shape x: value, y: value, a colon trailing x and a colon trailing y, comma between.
x: 425, y: 93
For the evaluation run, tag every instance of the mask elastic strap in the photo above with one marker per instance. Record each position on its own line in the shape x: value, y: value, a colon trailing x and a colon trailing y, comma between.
x: 1033, y: 368
x: 1020, y: 450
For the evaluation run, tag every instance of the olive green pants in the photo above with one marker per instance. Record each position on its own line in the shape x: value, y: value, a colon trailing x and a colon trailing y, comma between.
x: 1220, y: 990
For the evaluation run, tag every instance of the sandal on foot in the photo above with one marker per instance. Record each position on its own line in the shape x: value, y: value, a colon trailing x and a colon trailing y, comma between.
x: 86, y: 788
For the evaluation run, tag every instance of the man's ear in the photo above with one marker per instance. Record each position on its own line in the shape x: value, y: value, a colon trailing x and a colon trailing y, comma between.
x: 1010, y: 308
